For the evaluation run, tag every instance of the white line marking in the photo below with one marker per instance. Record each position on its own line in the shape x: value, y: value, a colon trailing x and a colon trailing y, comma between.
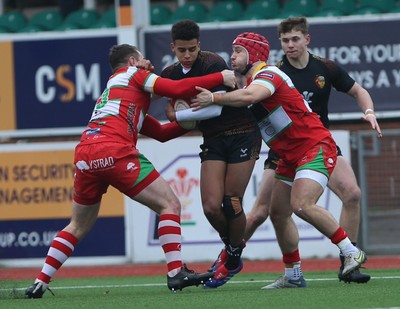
x: 163, y: 284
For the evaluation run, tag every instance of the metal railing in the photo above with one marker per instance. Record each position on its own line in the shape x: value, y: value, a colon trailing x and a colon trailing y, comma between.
x: 378, y: 162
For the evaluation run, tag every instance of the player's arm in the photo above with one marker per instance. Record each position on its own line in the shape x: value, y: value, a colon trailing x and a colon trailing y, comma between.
x: 366, y: 105
x: 212, y: 111
x: 343, y: 82
x: 185, y: 88
x: 151, y: 127
x: 362, y: 97
x: 238, y: 98
x: 191, y: 114
x: 145, y: 64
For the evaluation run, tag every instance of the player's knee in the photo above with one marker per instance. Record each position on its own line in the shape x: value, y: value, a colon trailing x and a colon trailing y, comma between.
x: 253, y: 222
x: 172, y: 206
x: 232, y: 206
x: 352, y: 196
x: 275, y: 218
x: 261, y: 218
x: 303, y: 209
x: 278, y: 216
x: 258, y: 217
x: 211, y: 210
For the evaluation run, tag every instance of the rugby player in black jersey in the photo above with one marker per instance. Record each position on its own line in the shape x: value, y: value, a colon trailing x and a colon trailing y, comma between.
x: 231, y: 145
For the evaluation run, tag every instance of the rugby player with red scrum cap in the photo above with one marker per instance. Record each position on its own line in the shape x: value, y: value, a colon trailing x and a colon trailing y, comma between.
x: 306, y: 150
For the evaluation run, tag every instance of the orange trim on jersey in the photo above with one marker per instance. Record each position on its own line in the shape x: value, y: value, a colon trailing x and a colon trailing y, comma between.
x: 258, y: 68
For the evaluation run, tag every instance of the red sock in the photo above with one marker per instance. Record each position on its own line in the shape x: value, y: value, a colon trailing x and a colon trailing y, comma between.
x: 291, y: 258
x: 169, y: 234
x: 60, y: 250
x: 338, y: 236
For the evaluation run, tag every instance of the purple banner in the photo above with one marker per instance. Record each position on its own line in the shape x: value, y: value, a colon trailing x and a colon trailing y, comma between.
x: 367, y: 50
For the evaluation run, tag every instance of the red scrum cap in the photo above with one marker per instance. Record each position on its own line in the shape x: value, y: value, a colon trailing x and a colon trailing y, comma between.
x: 256, y: 45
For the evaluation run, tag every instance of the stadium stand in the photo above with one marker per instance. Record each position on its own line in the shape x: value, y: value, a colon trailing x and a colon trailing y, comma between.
x: 264, y: 9
x: 286, y: 14
x: 395, y: 10
x: 194, y: 10
x: 346, y: 7
x: 83, y: 18
x: 65, y: 26
x: 46, y: 20
x: 367, y: 11
x: 300, y: 7
x: 159, y: 14
x: 329, y: 13
x: 102, y: 24
x: 109, y: 16
x: 17, y: 19
x: 225, y: 11
x: 13, y: 21
x: 383, y: 6
x: 30, y: 29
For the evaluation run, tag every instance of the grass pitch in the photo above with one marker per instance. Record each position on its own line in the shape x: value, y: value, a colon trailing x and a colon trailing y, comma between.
x: 324, y: 291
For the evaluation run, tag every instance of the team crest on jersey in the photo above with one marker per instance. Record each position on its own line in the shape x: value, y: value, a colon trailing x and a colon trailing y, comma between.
x: 320, y: 81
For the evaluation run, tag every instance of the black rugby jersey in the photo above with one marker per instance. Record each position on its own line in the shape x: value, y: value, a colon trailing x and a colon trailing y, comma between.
x: 233, y: 120
x: 316, y: 80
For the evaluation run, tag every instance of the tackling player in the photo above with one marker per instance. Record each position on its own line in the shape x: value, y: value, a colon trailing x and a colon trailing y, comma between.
x: 314, y: 77
x: 306, y: 149
x: 111, y: 136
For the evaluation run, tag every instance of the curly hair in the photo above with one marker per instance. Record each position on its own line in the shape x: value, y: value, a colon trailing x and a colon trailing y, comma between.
x: 185, y: 30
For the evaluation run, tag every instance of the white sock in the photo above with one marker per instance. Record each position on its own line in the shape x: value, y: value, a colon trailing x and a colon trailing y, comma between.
x: 346, y: 247
x: 295, y: 272
x: 43, y: 283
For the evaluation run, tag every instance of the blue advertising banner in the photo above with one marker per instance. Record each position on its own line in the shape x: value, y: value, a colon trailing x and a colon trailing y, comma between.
x: 57, y: 81
x: 366, y: 49
x: 32, y: 238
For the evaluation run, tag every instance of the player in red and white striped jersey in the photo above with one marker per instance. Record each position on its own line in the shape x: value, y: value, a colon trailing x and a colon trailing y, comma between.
x: 107, y: 155
x: 306, y: 149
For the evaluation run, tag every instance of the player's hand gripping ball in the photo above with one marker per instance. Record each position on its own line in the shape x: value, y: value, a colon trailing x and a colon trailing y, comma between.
x: 181, y: 104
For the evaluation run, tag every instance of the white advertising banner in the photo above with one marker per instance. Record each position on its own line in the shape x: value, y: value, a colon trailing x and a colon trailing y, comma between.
x: 179, y: 163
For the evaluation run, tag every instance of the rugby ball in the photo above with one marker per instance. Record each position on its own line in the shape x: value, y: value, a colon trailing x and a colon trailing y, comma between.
x: 181, y: 104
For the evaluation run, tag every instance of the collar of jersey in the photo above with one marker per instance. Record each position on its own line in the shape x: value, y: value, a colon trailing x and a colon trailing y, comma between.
x: 258, y: 68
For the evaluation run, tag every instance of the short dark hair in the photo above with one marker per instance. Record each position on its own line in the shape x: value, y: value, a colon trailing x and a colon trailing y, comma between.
x: 185, y: 30
x: 293, y: 24
x: 119, y: 55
